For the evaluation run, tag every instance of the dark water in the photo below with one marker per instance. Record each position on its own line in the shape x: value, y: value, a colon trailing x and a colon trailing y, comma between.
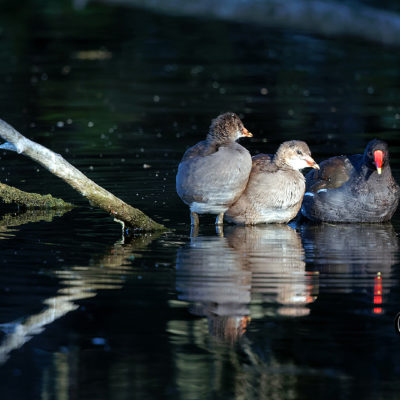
x: 281, y: 312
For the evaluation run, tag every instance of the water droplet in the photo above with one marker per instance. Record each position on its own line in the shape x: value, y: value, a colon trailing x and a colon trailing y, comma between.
x: 98, y: 341
x: 66, y: 69
x: 197, y: 70
x: 170, y: 67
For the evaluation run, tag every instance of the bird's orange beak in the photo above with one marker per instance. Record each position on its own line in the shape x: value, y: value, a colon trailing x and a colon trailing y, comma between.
x: 246, y: 132
x: 378, y: 156
x: 311, y: 163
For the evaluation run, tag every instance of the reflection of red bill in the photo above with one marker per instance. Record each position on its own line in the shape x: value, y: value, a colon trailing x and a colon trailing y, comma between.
x: 378, y: 293
x: 397, y: 323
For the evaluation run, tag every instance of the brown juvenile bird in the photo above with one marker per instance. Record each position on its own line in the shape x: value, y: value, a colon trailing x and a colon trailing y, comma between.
x: 213, y: 173
x: 276, y: 186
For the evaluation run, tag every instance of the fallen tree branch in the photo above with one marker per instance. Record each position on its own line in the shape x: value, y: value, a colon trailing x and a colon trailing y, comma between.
x: 13, y: 196
x: 56, y: 164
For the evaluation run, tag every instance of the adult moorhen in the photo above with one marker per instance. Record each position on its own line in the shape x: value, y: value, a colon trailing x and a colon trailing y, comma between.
x: 356, y: 188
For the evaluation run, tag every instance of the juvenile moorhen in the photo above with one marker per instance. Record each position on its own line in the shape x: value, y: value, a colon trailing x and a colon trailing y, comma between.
x: 276, y: 186
x: 213, y: 173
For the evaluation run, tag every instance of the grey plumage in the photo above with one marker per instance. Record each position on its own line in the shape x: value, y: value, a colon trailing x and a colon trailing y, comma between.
x: 276, y: 186
x: 213, y: 173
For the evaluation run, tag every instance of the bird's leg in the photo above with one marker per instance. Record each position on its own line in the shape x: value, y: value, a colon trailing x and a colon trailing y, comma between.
x: 219, y: 230
x: 220, y: 219
x: 194, y: 231
x: 194, y: 219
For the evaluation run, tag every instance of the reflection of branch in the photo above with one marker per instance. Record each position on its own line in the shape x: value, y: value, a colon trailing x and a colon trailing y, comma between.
x: 20, y: 333
x: 322, y: 17
x: 57, y: 165
x: 12, y: 220
x: 80, y: 283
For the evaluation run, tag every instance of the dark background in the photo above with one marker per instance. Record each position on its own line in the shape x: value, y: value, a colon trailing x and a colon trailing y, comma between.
x: 121, y: 91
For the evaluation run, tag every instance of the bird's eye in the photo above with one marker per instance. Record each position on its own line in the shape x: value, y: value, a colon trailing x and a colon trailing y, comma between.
x: 299, y: 152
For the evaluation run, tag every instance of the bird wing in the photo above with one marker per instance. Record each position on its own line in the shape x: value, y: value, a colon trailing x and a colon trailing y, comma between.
x: 333, y: 173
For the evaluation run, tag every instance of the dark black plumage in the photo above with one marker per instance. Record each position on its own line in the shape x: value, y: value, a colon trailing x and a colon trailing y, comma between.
x: 355, y: 188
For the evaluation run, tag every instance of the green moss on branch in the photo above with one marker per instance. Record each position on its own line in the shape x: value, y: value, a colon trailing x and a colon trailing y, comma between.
x: 13, y: 196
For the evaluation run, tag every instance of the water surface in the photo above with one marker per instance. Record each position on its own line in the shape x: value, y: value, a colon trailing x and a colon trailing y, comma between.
x: 292, y: 312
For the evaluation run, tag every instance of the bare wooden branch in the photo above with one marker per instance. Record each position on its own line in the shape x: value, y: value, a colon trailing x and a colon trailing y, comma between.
x: 56, y: 164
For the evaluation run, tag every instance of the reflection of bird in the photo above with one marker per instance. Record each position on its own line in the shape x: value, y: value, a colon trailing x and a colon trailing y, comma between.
x: 357, y: 188
x: 274, y: 254
x: 274, y: 248
x: 276, y: 186
x: 213, y: 173
x: 219, y: 276
x: 360, y: 248
x: 344, y: 253
x: 210, y: 275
